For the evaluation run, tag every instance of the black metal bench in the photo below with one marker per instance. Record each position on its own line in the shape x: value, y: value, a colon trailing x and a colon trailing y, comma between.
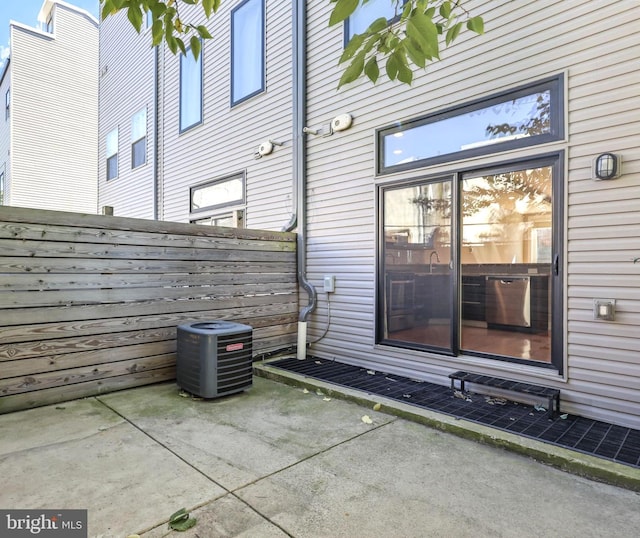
x: 551, y: 395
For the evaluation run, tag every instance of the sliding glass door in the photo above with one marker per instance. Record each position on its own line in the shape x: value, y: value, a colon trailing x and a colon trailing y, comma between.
x: 418, y: 264
x: 470, y: 263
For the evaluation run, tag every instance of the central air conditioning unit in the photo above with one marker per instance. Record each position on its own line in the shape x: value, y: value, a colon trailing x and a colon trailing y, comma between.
x: 214, y: 358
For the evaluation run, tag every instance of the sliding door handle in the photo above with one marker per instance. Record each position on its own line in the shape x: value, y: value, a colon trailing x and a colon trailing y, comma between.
x: 556, y: 265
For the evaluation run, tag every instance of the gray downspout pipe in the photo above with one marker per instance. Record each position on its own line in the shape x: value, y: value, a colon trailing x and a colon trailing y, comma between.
x: 299, y: 194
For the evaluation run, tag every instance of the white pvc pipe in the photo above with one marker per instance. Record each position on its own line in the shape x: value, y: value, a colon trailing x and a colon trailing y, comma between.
x: 302, y: 341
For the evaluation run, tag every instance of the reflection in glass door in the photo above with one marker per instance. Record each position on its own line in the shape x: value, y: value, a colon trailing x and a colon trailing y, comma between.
x: 506, y: 250
x: 417, y: 264
x: 470, y: 264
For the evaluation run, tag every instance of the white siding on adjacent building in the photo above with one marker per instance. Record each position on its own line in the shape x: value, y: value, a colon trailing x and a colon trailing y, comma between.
x: 54, y: 116
x: 5, y: 133
x: 525, y: 41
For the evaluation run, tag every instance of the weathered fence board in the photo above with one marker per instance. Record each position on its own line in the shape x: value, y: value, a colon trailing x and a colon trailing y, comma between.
x: 113, y: 312
x: 267, y: 314
x: 16, y: 265
x: 90, y: 304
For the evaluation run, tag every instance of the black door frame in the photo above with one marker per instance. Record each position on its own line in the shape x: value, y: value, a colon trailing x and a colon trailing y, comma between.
x: 556, y: 161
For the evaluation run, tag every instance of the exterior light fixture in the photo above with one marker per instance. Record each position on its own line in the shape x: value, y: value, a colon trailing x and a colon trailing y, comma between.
x: 607, y: 166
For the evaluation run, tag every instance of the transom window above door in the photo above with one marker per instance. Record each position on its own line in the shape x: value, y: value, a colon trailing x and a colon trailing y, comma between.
x: 522, y: 117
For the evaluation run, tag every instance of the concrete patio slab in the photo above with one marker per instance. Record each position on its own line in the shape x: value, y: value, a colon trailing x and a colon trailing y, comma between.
x: 241, y: 438
x: 403, y: 479
x: 81, y: 455
x: 224, y: 518
x: 281, y: 461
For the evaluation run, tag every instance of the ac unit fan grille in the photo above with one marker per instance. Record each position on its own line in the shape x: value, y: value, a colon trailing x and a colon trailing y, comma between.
x: 233, y: 373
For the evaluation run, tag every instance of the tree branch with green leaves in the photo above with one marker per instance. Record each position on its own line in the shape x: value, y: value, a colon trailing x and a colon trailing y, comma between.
x: 166, y: 24
x: 411, y: 40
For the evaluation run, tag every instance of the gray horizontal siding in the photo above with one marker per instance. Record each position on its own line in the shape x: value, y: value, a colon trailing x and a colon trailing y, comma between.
x: 524, y: 41
x: 226, y: 141
x: 126, y: 86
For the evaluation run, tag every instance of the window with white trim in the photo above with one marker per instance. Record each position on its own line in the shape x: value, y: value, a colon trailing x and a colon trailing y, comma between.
x: 139, y: 138
x: 112, y: 154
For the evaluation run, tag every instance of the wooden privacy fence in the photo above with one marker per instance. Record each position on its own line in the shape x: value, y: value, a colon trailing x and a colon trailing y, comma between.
x: 90, y: 304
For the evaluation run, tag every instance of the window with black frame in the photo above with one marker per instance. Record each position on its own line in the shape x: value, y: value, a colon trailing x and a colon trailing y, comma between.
x: 247, y: 50
x: 522, y: 117
x: 190, y: 90
x: 219, y: 202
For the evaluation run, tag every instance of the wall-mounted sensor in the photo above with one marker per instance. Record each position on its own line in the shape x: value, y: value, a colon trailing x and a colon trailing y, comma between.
x: 265, y: 148
x: 341, y: 122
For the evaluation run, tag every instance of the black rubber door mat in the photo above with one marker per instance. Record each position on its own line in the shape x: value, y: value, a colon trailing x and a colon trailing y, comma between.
x: 608, y: 441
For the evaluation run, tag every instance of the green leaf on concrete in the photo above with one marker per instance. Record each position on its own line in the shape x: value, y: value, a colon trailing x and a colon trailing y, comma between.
x: 180, y: 520
x: 180, y: 515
